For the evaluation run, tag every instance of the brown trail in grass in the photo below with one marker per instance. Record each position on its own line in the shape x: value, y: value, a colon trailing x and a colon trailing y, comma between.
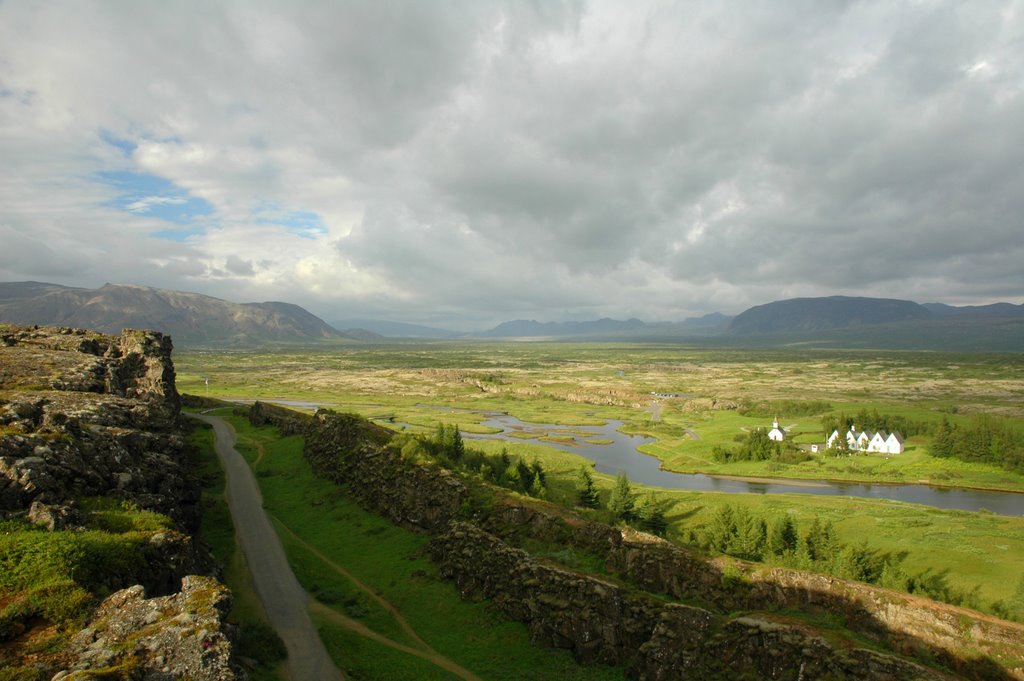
x: 392, y: 610
x: 359, y: 628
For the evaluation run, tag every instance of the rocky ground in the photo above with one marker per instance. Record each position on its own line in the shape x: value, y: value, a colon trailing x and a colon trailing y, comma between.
x: 96, y: 496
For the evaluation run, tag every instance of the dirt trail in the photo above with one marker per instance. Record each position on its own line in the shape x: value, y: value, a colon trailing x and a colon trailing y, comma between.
x: 283, y: 598
x: 361, y: 629
x: 405, y: 626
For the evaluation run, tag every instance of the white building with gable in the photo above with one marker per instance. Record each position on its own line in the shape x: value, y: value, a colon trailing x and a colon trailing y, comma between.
x: 863, y: 441
x: 777, y: 433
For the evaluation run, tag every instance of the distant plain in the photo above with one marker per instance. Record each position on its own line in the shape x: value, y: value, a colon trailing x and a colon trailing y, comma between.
x: 702, y: 391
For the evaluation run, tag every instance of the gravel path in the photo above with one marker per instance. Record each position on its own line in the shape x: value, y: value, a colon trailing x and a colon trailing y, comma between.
x: 283, y: 599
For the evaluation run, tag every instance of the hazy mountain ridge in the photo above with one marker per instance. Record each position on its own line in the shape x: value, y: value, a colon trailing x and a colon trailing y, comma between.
x: 820, y: 314
x: 190, y: 318
x: 390, y: 329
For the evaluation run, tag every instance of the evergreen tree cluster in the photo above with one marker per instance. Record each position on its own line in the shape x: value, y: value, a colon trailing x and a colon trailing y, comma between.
x: 756, y: 446
x: 985, y: 438
x: 738, y: 532
x: 647, y: 515
x: 447, y: 448
x: 874, y: 420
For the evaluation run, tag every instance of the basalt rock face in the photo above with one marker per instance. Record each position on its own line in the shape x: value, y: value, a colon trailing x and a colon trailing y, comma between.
x: 158, y: 639
x: 600, y: 621
x: 91, y: 422
x: 347, y: 450
x: 83, y: 414
x: 953, y: 636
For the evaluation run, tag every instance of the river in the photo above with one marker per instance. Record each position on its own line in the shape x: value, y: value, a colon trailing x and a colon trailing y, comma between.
x: 622, y: 455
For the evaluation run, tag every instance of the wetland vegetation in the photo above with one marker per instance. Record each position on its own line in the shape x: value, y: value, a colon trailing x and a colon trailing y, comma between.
x: 706, y: 399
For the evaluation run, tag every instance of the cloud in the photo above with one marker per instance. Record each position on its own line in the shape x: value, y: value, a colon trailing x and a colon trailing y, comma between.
x: 468, y: 163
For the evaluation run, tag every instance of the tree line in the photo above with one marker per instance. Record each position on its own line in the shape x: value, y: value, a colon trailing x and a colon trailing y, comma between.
x: 757, y: 446
x: 984, y: 438
x: 645, y: 514
x: 447, y: 448
x: 874, y: 420
x: 776, y: 539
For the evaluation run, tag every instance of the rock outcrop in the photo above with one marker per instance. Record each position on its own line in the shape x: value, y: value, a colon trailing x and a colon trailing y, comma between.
x: 601, y: 621
x: 158, y: 639
x: 90, y: 441
x: 348, y: 450
x: 83, y: 415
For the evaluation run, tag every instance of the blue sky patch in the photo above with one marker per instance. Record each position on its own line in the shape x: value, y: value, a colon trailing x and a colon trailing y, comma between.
x: 305, y: 224
x: 126, y: 147
x: 154, y: 196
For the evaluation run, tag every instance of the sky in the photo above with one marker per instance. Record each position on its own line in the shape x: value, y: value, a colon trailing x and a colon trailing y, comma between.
x: 469, y: 162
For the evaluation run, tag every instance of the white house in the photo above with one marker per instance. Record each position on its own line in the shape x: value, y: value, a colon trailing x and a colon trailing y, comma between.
x: 894, y: 444
x: 864, y: 441
x: 776, y: 433
x: 877, y: 442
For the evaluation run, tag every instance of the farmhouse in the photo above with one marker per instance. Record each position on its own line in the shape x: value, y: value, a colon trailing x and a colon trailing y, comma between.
x: 863, y: 441
x: 777, y: 433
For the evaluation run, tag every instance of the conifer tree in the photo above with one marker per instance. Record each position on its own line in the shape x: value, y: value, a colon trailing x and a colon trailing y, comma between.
x: 622, y: 501
x: 722, y: 530
x: 586, y: 493
x: 651, y: 517
x: 783, y: 538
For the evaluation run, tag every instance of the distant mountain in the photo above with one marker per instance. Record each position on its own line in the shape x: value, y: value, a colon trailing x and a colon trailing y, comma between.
x: 993, y: 310
x: 713, y: 319
x: 880, y: 323
x: 190, y: 318
x: 363, y: 335
x: 394, y: 329
x: 523, y: 328
x: 821, y: 314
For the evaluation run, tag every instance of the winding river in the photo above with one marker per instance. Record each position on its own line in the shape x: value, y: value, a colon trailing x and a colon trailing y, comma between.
x: 622, y: 455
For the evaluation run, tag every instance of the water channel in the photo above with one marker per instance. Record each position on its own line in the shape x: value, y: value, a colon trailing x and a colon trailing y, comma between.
x: 621, y: 454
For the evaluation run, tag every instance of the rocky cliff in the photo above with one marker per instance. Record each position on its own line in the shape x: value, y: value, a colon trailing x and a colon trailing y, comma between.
x: 600, y: 620
x: 96, y: 496
x: 751, y: 622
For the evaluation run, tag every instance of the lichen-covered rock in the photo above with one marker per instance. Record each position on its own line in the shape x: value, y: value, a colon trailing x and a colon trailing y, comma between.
x: 184, y: 636
x: 83, y: 414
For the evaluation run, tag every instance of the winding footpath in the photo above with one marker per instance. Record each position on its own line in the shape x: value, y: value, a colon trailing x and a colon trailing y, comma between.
x: 284, y: 600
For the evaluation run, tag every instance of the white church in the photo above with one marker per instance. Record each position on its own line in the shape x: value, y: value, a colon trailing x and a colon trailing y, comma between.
x: 864, y: 441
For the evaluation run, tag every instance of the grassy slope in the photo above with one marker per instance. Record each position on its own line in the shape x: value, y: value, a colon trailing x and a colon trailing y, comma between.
x: 388, y: 559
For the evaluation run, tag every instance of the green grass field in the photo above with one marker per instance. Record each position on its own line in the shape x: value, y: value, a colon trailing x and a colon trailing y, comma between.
x: 312, y: 515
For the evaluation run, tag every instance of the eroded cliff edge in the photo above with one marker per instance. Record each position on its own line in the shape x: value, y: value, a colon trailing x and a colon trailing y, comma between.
x: 659, y: 610
x: 98, y: 510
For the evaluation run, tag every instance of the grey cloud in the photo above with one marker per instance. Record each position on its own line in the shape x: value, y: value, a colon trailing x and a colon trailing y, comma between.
x: 239, y: 266
x: 491, y: 158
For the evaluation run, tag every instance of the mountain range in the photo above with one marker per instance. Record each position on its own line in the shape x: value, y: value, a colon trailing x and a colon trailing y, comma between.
x: 835, y: 321
x: 190, y: 318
